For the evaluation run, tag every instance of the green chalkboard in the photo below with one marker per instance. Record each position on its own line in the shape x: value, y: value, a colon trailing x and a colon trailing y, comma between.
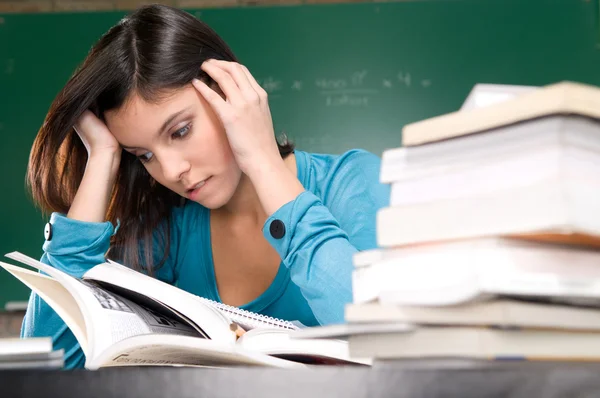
x: 339, y: 76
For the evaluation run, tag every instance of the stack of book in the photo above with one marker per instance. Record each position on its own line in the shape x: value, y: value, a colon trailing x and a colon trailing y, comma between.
x: 29, y: 353
x: 490, y: 247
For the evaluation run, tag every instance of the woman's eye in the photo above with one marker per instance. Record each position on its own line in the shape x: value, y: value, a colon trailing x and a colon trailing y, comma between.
x: 182, y: 132
x: 146, y: 157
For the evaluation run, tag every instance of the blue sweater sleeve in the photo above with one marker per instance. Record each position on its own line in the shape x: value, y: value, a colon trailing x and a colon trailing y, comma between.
x: 316, y: 236
x: 74, y: 248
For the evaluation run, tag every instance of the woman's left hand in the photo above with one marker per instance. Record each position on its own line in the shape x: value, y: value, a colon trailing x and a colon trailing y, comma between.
x: 245, y: 115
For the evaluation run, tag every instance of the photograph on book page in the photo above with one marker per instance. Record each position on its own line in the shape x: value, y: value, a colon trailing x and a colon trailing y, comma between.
x: 121, y: 318
x: 149, y: 303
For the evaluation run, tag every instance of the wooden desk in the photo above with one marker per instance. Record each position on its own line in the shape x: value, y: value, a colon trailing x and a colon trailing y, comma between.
x: 423, y: 380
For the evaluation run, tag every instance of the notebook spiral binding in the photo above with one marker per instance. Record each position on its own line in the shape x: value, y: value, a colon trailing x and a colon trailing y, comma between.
x: 251, y: 319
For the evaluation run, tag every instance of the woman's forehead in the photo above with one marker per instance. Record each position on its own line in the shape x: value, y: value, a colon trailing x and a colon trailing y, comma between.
x: 138, y: 109
x: 139, y: 116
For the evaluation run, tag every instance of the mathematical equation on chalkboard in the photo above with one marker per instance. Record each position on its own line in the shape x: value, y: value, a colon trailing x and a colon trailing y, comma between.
x: 356, y: 90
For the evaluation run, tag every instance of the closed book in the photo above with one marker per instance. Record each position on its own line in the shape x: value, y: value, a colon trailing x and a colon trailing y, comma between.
x: 453, y: 273
x: 564, y: 98
x: 473, y: 342
x: 499, y: 312
x: 554, y: 205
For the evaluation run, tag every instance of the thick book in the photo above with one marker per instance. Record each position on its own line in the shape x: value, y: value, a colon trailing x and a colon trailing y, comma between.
x: 501, y: 312
x: 29, y: 353
x: 11, y: 346
x: 526, y: 139
x: 455, y: 273
x: 514, y: 171
x: 565, y: 98
x: 474, y: 342
x: 559, y: 203
x: 121, y: 317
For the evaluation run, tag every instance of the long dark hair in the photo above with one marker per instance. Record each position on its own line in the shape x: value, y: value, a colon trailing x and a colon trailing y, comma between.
x: 155, y: 49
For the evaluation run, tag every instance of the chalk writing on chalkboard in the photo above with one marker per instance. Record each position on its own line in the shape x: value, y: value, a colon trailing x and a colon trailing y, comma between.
x: 358, y: 89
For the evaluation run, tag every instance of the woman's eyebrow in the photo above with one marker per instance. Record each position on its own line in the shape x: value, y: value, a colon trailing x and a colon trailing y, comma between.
x: 170, y: 120
x: 164, y: 126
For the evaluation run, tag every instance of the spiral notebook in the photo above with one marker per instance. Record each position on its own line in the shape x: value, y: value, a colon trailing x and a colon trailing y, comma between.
x: 251, y: 320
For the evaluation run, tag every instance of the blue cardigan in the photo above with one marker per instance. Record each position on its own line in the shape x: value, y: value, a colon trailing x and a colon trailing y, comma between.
x: 322, y: 228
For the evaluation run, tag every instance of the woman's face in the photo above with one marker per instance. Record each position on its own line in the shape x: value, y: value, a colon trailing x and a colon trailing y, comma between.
x: 182, y: 144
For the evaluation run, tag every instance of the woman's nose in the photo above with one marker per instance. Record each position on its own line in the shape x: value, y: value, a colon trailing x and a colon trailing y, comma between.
x: 174, y: 168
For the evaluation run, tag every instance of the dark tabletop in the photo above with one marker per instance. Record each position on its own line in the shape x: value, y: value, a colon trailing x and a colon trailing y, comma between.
x: 399, y: 379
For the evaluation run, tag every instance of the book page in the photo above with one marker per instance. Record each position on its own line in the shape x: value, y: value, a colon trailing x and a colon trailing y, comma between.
x: 210, y: 320
x: 57, y: 297
x: 127, y: 318
x: 281, y: 344
x: 160, y: 350
x: 148, y: 303
x: 97, y: 326
x: 110, y: 318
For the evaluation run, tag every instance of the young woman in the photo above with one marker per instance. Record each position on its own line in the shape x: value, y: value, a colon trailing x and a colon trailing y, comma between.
x: 160, y: 153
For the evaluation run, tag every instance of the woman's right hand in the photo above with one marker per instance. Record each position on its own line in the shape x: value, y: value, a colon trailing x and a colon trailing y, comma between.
x: 104, y: 155
x: 95, y: 135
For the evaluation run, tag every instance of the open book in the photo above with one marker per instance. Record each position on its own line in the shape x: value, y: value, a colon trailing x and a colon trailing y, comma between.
x: 121, y: 317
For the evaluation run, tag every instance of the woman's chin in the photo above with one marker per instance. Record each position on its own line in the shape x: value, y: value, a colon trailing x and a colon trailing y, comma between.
x: 215, y: 201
